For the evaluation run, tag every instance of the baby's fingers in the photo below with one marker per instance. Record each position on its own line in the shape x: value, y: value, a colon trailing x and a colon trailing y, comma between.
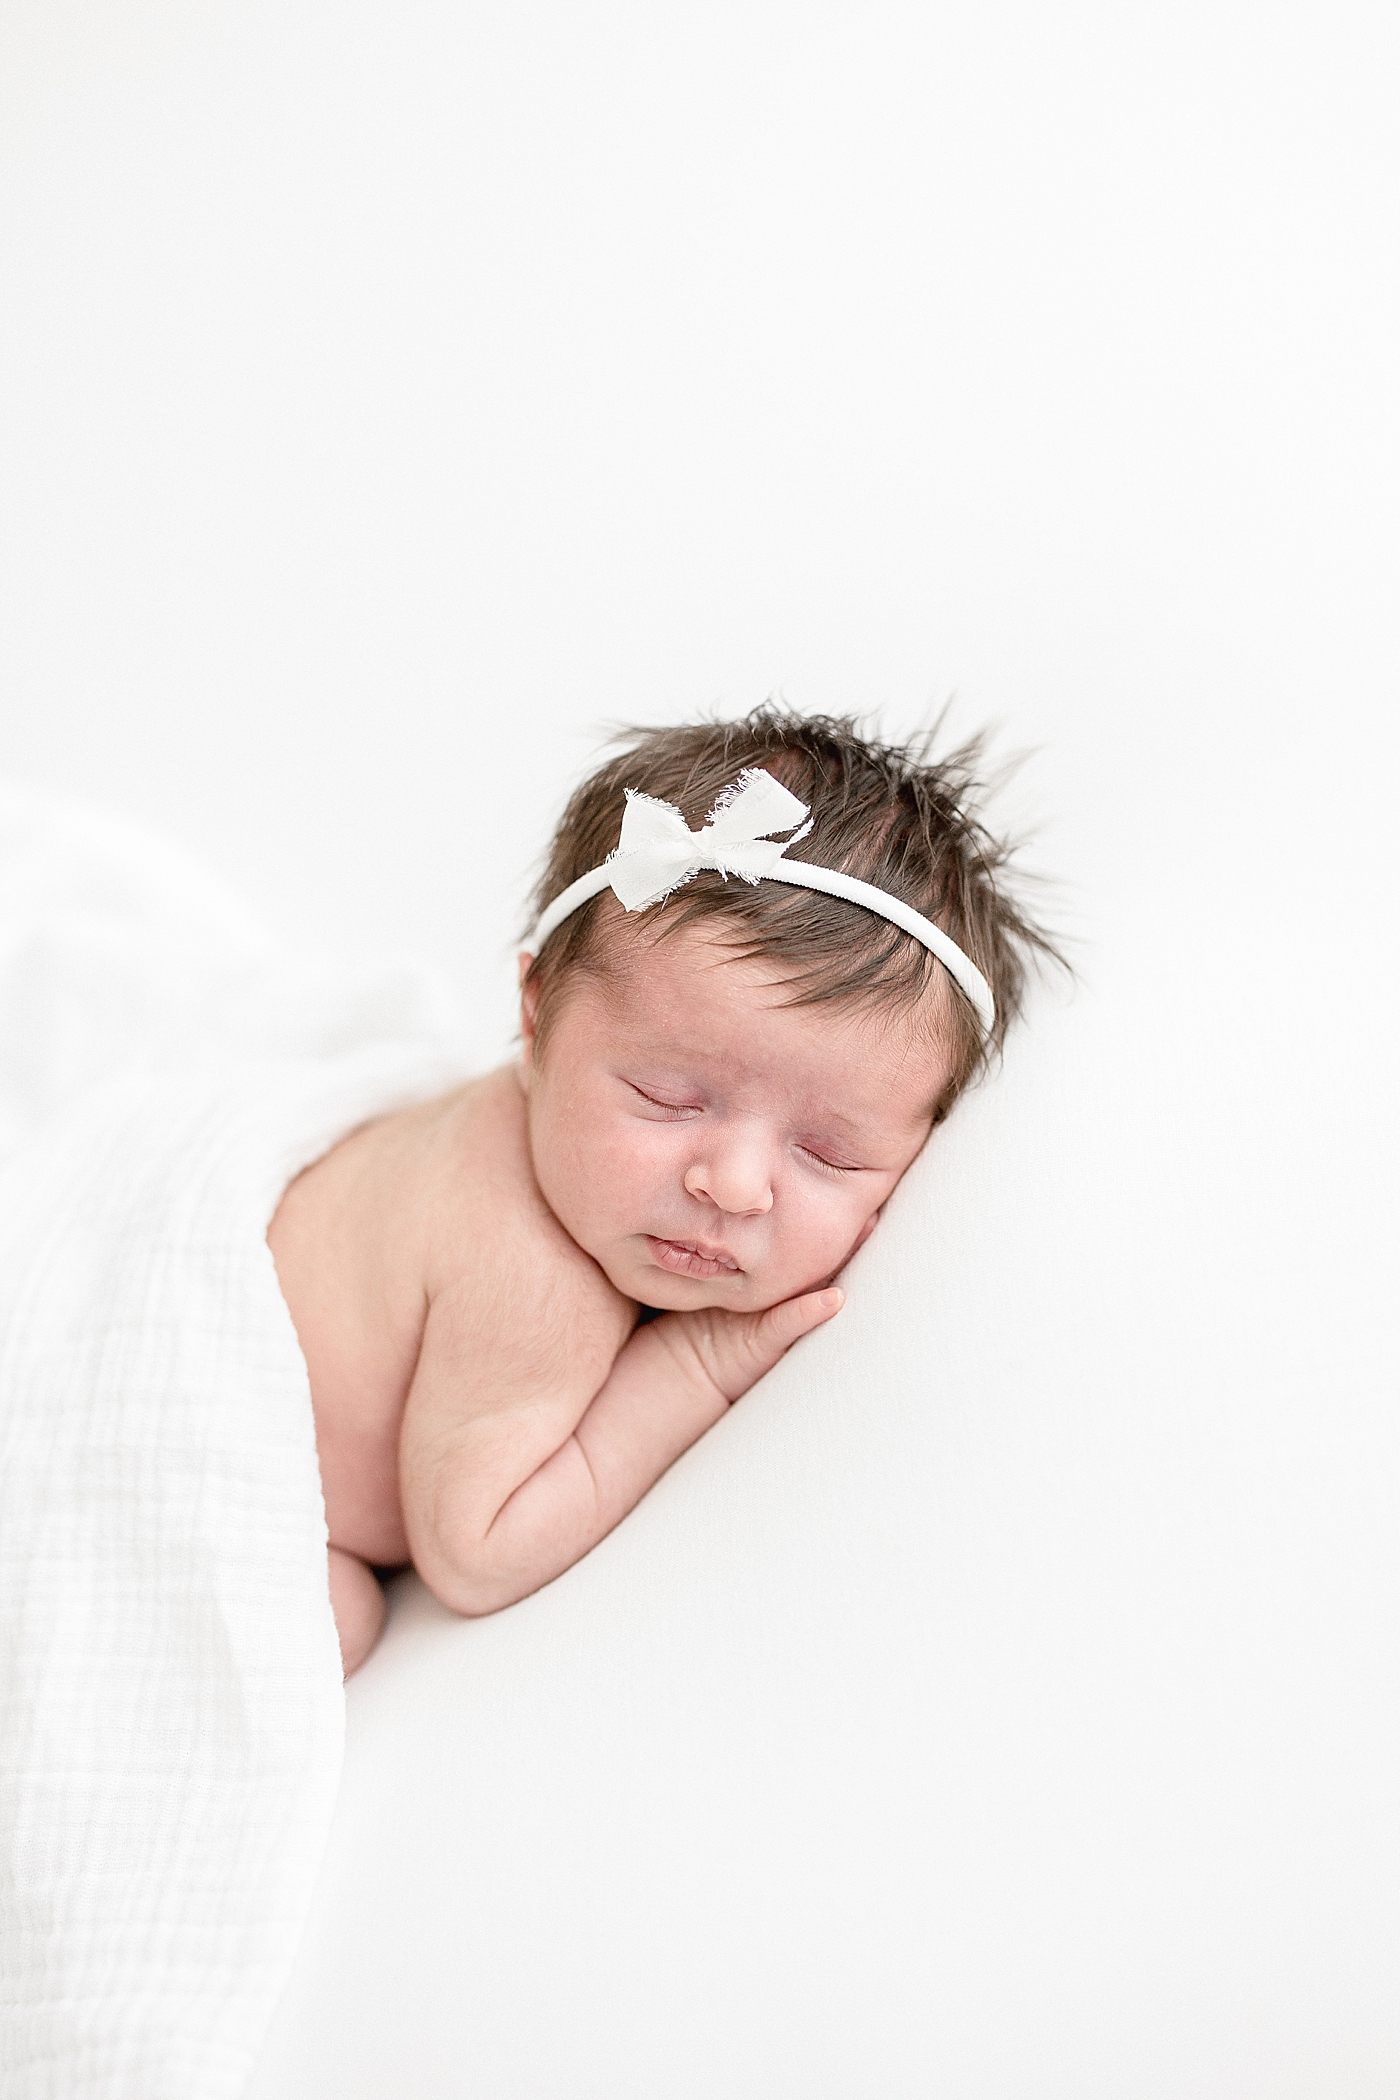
x: 753, y: 1343
x: 784, y: 1324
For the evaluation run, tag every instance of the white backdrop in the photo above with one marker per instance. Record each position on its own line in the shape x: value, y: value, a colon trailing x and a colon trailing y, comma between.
x: 1004, y: 1702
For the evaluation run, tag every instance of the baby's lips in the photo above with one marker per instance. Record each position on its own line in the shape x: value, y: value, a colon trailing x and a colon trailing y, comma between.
x: 695, y: 1257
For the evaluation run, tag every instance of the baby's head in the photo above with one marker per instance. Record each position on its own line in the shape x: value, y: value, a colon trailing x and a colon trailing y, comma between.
x: 725, y: 1086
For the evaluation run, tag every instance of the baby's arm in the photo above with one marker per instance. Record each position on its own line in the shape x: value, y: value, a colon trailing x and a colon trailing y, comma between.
x: 519, y: 1454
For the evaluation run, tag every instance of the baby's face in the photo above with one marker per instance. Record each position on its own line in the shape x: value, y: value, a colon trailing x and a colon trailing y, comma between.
x: 709, y: 1144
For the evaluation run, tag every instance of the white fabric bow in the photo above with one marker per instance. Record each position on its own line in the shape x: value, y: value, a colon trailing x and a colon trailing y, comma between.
x: 657, y: 852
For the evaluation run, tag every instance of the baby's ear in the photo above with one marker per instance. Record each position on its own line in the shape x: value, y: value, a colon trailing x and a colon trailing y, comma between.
x: 529, y: 999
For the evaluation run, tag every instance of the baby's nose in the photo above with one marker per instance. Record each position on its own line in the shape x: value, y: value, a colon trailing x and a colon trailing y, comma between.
x: 736, y: 1180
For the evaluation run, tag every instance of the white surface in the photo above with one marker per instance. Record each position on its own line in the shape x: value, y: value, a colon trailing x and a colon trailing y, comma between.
x: 173, y: 1716
x: 1004, y: 1704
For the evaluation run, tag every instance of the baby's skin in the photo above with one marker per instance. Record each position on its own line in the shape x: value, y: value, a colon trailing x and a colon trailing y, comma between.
x: 465, y: 1276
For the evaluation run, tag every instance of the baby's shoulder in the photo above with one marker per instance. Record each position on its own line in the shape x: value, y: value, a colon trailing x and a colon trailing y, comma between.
x: 494, y: 1249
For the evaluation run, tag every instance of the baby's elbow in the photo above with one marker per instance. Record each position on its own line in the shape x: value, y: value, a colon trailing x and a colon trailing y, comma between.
x: 468, y: 1573
x: 476, y: 1548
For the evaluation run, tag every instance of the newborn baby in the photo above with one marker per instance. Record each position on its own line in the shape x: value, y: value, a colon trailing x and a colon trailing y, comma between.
x: 521, y: 1303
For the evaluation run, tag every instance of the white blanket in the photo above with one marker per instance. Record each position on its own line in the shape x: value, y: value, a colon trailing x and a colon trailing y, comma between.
x: 173, y: 1710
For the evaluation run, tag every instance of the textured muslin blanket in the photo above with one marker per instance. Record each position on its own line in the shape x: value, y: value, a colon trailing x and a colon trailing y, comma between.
x: 172, y: 1703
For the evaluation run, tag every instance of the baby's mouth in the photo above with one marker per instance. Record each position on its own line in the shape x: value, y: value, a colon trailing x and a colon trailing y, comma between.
x: 691, y: 1258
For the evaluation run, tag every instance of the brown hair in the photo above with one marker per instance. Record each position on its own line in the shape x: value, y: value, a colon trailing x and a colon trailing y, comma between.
x: 886, y: 813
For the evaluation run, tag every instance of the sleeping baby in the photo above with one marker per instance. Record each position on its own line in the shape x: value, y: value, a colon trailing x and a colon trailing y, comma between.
x: 769, y: 956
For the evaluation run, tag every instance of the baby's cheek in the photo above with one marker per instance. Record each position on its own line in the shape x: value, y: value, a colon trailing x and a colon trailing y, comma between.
x: 857, y: 1223
x: 809, y: 1246
x: 623, y: 1195
x: 627, y: 1177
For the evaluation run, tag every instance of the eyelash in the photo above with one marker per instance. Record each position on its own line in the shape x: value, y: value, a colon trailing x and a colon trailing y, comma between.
x: 828, y: 1166
x: 670, y: 1108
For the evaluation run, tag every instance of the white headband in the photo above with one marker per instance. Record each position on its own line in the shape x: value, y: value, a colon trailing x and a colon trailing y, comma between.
x: 657, y: 853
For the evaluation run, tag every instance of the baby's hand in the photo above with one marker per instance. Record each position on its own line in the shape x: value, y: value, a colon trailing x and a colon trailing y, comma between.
x: 729, y: 1352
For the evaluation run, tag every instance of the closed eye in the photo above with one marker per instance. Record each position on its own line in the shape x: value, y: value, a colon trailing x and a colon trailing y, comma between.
x: 829, y: 1166
x: 668, y: 1108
